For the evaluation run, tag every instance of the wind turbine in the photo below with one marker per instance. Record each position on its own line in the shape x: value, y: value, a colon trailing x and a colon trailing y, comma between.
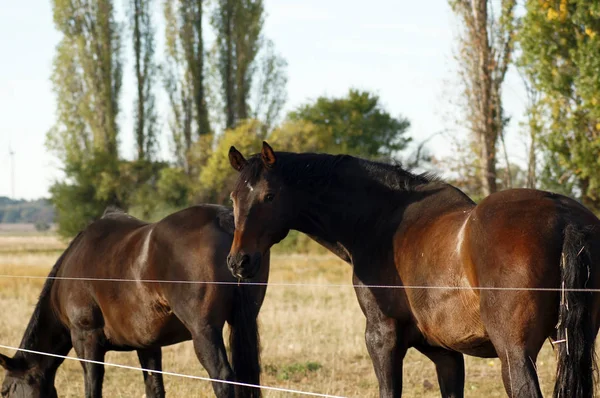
x: 11, y: 153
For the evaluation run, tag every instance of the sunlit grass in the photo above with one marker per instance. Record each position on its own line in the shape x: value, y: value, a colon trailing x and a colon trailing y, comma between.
x: 312, y: 336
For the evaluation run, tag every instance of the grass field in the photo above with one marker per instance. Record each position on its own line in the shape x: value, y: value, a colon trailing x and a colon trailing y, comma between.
x: 312, y: 337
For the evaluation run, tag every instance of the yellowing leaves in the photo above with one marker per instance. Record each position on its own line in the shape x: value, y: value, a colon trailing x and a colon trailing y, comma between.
x: 590, y: 32
x: 552, y: 14
x: 246, y: 137
x: 562, y: 10
x: 560, y: 14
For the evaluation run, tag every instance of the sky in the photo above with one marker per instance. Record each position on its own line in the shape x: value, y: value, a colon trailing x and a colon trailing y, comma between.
x: 400, y: 49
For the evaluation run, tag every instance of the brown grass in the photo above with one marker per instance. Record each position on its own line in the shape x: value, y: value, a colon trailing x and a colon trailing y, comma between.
x: 312, y: 336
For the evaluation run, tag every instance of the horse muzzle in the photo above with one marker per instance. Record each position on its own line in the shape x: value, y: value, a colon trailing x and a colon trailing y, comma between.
x: 243, y: 266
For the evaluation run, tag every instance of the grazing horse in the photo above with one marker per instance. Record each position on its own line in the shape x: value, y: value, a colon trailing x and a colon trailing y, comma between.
x: 82, y: 306
x: 493, y: 279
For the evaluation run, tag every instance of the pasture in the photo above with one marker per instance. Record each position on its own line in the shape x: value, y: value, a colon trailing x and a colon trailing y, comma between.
x: 312, y: 336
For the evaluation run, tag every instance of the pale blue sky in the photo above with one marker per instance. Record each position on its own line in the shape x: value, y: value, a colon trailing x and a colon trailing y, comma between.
x: 400, y: 49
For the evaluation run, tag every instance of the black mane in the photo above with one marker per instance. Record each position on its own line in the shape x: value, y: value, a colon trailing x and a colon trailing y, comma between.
x: 30, y: 337
x: 318, y: 169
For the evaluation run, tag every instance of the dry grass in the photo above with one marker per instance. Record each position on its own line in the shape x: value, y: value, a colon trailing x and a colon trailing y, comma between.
x: 312, y: 336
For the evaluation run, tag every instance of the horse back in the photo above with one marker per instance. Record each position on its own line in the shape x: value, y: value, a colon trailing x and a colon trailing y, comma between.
x: 516, y: 236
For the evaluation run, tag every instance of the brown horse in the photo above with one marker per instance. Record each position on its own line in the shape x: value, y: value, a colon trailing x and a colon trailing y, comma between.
x: 490, y: 280
x: 95, y: 316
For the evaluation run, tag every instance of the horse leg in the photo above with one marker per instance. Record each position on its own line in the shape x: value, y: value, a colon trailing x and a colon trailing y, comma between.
x: 518, y: 324
x: 210, y: 350
x: 450, y: 368
x: 88, y: 346
x: 151, y: 359
x: 385, y: 344
x: 386, y: 354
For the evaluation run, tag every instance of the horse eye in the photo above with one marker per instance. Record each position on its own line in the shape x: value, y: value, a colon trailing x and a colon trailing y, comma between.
x: 269, y: 197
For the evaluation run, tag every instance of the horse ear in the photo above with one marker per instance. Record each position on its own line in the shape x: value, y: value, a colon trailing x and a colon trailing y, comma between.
x: 236, y: 159
x: 7, y: 362
x: 267, y: 155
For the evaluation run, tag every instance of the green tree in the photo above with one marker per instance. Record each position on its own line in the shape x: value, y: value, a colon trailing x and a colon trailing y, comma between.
x: 238, y: 24
x: 560, y: 42
x: 356, y: 124
x: 87, y: 75
x: 217, y: 176
x: 145, y: 73
x: 302, y: 136
x: 87, y: 81
x: 183, y: 74
x: 88, y: 189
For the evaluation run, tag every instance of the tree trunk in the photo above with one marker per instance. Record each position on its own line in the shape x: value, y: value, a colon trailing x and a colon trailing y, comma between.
x: 202, y: 122
x: 137, y: 48
x: 531, y: 177
x: 489, y: 166
x: 229, y: 72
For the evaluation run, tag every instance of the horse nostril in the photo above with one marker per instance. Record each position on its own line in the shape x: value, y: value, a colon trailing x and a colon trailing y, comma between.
x: 245, y: 260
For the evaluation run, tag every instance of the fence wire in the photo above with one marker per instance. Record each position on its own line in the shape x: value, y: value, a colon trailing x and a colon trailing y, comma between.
x: 116, y: 365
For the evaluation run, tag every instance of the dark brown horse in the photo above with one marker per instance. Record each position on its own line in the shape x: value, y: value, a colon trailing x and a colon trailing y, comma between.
x: 95, y: 316
x: 492, y: 279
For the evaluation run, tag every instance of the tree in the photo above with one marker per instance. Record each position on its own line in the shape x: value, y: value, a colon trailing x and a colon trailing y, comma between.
x: 87, y: 74
x: 302, y: 136
x: 238, y: 24
x: 485, y: 49
x: 217, y: 175
x: 533, y: 129
x: 145, y: 73
x: 183, y: 74
x: 355, y: 124
x: 87, y: 81
x: 270, y: 93
x: 560, y: 43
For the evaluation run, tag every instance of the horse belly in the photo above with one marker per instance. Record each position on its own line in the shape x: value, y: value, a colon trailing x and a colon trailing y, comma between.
x: 148, y: 321
x: 455, y: 323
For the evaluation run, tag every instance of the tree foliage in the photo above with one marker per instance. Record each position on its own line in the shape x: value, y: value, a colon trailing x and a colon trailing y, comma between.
x: 356, y: 124
x: 87, y: 82
x: 247, y: 63
x: 183, y: 74
x: 560, y: 42
x: 87, y: 75
x: 217, y: 175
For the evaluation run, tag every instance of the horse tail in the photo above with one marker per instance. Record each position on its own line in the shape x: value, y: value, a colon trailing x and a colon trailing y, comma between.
x: 244, y: 342
x: 576, y: 333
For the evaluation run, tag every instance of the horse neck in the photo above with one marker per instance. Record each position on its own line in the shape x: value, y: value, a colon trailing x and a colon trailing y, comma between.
x: 45, y: 333
x: 365, y: 204
x: 350, y: 212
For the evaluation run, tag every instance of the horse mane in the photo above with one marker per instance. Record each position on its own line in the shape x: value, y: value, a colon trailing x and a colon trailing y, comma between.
x: 225, y: 219
x: 30, y: 335
x: 318, y: 169
x: 112, y: 210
